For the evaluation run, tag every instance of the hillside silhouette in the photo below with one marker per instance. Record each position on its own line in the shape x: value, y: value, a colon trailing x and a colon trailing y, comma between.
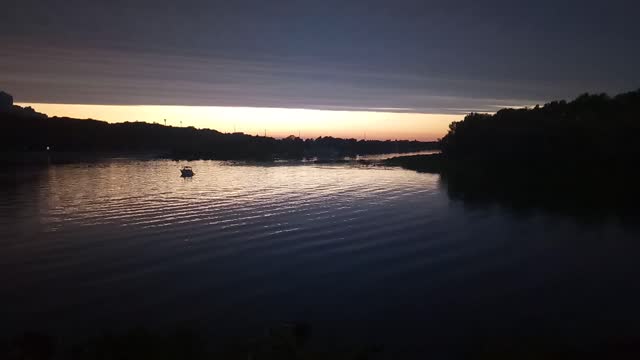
x: 580, y: 154
x: 24, y: 130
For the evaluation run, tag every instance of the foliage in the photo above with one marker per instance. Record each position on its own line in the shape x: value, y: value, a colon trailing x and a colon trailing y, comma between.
x: 591, y: 127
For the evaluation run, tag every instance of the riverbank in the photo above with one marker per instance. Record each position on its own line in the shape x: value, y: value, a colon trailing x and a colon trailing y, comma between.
x: 43, y: 158
x: 430, y: 163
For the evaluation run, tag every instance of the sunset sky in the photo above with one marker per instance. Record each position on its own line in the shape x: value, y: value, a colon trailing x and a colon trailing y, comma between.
x: 276, y: 122
x: 401, y: 69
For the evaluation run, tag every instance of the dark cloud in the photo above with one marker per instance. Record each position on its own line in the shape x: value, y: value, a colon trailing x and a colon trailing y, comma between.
x: 428, y: 56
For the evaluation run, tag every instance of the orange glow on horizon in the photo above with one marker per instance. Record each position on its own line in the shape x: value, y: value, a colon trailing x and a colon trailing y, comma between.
x: 278, y: 122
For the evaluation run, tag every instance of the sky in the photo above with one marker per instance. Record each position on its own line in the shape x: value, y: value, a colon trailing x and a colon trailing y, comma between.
x: 391, y: 68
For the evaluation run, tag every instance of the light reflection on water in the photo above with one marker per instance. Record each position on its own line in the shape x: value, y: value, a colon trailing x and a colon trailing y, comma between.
x: 378, y: 252
x: 388, y: 156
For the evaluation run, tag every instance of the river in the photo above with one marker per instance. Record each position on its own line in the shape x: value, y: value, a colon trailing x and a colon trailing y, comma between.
x: 363, y: 253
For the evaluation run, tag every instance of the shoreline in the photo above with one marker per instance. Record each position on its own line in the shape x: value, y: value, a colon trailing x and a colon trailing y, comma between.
x: 26, y: 158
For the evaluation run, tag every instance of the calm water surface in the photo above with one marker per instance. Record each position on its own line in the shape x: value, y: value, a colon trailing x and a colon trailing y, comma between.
x: 358, y: 252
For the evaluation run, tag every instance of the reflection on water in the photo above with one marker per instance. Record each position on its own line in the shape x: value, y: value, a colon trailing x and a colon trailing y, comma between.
x: 389, y: 156
x: 373, y: 253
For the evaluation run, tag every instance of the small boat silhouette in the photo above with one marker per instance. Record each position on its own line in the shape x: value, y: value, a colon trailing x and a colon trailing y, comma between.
x: 186, y: 171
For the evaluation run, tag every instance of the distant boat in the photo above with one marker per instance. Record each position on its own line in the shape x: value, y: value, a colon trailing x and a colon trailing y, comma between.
x: 187, y: 172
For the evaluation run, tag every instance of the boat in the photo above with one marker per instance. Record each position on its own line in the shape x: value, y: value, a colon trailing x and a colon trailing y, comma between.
x: 186, y: 171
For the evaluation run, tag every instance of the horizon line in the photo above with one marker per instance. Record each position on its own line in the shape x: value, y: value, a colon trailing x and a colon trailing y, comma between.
x: 282, y: 122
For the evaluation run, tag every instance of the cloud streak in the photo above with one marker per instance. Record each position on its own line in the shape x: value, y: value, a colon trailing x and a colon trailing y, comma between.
x: 97, y: 76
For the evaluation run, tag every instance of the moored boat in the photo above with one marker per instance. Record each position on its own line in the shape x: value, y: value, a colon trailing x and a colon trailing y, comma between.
x: 186, y: 171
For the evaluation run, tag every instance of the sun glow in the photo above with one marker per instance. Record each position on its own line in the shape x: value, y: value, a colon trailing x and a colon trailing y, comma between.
x: 276, y: 122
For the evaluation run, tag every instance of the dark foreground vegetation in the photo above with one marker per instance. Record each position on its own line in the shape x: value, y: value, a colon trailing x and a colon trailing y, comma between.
x: 286, y: 342
x: 294, y: 342
x: 581, y: 154
x: 23, y: 130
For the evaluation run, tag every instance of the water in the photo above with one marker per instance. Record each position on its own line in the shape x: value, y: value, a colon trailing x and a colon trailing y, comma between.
x: 362, y: 253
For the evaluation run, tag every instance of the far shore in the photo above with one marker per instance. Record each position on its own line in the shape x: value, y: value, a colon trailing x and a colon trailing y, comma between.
x: 18, y: 158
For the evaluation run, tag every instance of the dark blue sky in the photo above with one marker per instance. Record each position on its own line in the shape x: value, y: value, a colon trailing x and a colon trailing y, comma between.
x: 445, y: 56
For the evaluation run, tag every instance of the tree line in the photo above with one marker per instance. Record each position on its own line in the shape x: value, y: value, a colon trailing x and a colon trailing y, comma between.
x: 590, y: 128
x: 23, y: 129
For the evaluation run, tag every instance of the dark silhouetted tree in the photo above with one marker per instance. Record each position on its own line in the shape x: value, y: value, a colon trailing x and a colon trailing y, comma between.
x: 6, y: 100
